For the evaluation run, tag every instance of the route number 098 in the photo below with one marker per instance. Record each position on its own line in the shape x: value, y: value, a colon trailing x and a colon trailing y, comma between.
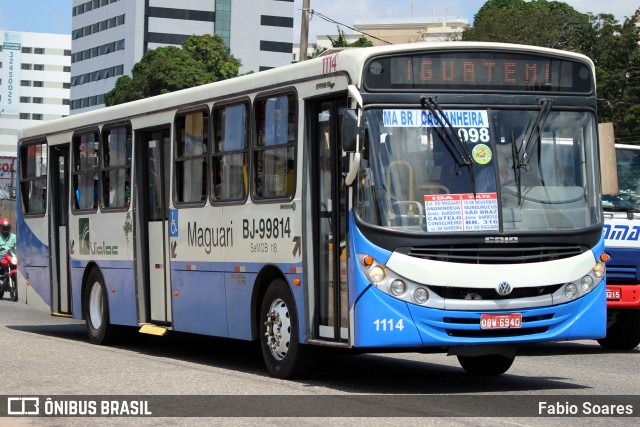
x: 474, y: 135
x: 388, y: 325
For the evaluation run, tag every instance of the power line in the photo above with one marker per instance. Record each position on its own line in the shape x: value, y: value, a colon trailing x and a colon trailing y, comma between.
x: 333, y: 21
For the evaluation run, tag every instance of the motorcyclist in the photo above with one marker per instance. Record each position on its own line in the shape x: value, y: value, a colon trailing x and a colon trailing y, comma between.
x: 7, y: 238
x: 7, y: 242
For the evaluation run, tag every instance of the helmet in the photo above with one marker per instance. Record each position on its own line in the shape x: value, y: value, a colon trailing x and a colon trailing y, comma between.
x: 5, y: 226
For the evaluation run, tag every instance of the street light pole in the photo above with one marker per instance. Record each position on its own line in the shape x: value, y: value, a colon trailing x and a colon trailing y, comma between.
x: 304, y: 30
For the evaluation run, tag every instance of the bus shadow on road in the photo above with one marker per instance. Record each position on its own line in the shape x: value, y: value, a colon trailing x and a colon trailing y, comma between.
x: 368, y: 373
x: 380, y: 374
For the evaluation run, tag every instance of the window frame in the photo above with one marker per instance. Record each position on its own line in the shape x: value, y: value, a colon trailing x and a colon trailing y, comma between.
x: 177, y: 158
x: 103, y: 170
x: 256, y: 148
x: 76, y: 170
x: 213, y: 152
x: 25, y: 178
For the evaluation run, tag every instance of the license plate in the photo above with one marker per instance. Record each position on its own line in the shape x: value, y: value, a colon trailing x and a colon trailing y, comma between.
x: 613, y: 294
x: 501, y: 321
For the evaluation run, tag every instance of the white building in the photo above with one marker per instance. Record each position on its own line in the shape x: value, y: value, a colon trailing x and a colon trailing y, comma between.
x: 393, y: 31
x: 110, y: 36
x: 34, y: 85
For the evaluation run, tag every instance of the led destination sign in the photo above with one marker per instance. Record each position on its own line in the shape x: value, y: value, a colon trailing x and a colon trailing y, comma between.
x: 495, y: 71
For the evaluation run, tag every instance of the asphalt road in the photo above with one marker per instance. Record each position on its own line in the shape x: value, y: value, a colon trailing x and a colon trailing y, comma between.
x: 51, y: 357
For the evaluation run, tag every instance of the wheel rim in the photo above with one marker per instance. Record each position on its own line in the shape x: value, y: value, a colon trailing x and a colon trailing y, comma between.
x: 95, y: 306
x: 278, y: 329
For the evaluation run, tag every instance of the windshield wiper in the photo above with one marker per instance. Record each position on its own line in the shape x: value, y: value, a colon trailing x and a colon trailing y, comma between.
x: 516, y: 167
x: 532, y: 133
x: 456, y: 147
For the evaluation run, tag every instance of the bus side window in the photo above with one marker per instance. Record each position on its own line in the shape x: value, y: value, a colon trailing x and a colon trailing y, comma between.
x: 85, y: 170
x: 192, y: 137
x: 116, y: 167
x: 229, y: 155
x: 33, y: 178
x: 274, y: 164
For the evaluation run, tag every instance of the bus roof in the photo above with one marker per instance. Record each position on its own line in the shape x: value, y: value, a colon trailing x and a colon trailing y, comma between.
x: 350, y: 61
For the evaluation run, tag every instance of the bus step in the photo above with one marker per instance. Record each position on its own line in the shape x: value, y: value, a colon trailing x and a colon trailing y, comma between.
x: 153, y: 330
x: 56, y: 314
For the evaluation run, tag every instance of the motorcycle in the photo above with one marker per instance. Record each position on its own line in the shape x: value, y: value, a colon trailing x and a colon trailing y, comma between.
x: 8, y: 275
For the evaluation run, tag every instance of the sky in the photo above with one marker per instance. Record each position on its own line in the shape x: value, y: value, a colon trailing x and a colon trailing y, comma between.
x: 54, y: 16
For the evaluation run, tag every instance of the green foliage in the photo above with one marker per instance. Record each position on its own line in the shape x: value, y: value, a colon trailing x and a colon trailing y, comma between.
x: 538, y: 22
x: 202, y: 59
x: 343, y: 41
x: 613, y: 47
x: 616, y: 54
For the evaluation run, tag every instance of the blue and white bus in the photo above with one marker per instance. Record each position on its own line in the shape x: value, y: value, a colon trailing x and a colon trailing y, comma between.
x: 622, y: 242
x: 406, y: 198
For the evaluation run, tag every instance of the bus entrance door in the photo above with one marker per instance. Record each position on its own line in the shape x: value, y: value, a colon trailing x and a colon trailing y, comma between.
x: 59, y: 239
x: 330, y: 223
x: 153, y: 202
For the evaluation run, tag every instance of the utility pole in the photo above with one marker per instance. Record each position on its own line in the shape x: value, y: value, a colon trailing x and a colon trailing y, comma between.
x: 304, y: 30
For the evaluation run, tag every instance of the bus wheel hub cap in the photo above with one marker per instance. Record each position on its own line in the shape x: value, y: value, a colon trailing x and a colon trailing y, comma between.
x: 278, y: 329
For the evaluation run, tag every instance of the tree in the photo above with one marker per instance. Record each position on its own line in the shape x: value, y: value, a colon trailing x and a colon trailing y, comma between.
x: 616, y: 54
x: 202, y: 59
x: 538, y: 22
x: 343, y: 41
x: 613, y: 47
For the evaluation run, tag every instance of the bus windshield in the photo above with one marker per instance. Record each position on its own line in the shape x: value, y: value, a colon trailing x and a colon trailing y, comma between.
x: 416, y: 178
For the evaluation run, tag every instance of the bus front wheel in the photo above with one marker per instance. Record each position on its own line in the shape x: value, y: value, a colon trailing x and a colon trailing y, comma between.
x: 488, y: 365
x: 96, y: 306
x: 283, y: 355
x: 624, y: 334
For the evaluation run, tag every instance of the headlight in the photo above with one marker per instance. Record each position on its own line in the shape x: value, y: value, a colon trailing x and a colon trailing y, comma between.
x: 420, y: 295
x: 570, y: 290
x: 587, y: 283
x: 376, y: 273
x: 599, y: 269
x: 398, y: 287
x: 391, y: 283
x: 14, y: 260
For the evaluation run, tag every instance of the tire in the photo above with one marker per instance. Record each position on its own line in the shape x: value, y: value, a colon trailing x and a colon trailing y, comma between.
x: 96, y: 310
x: 489, y: 365
x: 624, y: 334
x: 283, y: 355
x: 13, y: 293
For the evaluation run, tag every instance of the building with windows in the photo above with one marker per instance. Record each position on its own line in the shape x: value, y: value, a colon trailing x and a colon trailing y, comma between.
x: 110, y: 36
x: 35, y: 70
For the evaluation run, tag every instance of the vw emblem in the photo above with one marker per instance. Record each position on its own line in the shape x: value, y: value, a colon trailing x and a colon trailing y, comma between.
x: 504, y: 288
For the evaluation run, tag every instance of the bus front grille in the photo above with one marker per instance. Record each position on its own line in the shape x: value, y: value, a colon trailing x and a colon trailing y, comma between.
x: 501, y: 254
x: 456, y: 293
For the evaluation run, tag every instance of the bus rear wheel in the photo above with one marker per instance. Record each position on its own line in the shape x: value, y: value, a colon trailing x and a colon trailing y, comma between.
x: 624, y: 334
x: 96, y: 309
x: 283, y: 355
x: 488, y: 365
